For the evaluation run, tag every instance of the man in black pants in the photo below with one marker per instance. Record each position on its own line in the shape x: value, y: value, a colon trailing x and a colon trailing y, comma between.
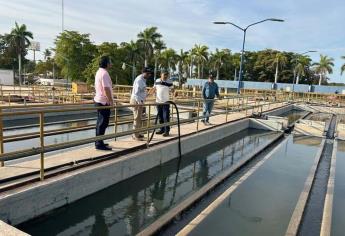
x: 162, y: 87
x: 103, y: 97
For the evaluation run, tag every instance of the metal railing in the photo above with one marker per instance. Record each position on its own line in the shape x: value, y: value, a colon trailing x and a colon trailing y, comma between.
x: 228, y: 105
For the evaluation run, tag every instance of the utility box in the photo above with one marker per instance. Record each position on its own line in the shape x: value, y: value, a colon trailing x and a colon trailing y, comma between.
x: 79, y: 87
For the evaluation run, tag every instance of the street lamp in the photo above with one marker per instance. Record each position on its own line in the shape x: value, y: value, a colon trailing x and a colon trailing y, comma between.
x: 244, y: 40
x: 124, y: 66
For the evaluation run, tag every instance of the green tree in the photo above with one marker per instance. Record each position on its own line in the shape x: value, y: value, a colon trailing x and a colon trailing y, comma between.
x: 182, y: 60
x: 200, y: 53
x: 47, y: 54
x: 168, y: 59
x: 218, y: 58
x: 302, y: 64
x: 133, y: 56
x: 324, y: 67
x: 343, y: 66
x: 73, y: 53
x: 280, y: 61
x: 158, y: 47
x: 147, y: 40
x: 20, y: 39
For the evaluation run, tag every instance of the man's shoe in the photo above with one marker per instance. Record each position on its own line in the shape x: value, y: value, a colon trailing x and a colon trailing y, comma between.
x: 137, y: 138
x: 166, y: 134
x: 160, y: 132
x: 104, y: 148
x: 140, y: 136
x: 208, y: 123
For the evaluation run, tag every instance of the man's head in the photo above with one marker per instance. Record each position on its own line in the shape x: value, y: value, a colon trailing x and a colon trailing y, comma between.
x: 105, y: 62
x: 147, y: 72
x: 164, y: 74
x: 211, y: 77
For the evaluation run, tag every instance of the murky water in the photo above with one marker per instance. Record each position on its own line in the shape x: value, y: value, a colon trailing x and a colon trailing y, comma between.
x: 127, y: 207
x: 263, y: 204
x: 338, y: 216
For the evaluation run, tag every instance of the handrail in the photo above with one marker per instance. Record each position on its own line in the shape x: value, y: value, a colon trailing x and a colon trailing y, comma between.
x: 242, y: 104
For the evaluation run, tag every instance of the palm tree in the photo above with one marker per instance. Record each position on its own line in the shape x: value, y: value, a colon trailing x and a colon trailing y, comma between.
x: 279, y: 61
x: 343, y: 66
x: 182, y: 60
x: 158, y: 47
x: 20, y: 38
x: 302, y: 63
x: 218, y: 58
x: 133, y: 55
x: 147, y: 40
x: 47, y: 54
x: 200, y: 53
x: 168, y: 59
x: 324, y: 67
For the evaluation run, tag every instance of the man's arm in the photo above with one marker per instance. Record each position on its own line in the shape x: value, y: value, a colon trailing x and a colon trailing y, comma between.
x: 110, y: 98
x: 204, y: 92
x: 217, y: 91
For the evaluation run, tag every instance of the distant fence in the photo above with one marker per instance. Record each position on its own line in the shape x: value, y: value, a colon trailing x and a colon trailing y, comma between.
x: 230, y: 84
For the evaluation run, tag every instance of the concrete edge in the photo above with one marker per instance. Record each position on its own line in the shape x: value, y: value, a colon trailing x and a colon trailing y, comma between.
x: 52, y: 193
x: 297, y: 214
x: 8, y: 230
x: 199, y: 218
x: 181, y: 207
x: 328, y: 206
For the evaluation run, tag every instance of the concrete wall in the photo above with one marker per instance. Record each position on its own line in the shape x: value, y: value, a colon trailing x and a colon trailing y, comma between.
x: 269, y: 86
x: 280, y: 110
x: 274, y: 125
x: 17, y: 206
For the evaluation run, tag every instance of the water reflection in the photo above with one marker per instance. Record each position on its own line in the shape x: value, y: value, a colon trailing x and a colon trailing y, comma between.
x: 127, y: 207
x: 293, y: 115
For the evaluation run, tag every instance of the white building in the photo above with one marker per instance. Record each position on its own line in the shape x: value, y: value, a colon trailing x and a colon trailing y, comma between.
x: 51, y: 82
x: 6, y: 77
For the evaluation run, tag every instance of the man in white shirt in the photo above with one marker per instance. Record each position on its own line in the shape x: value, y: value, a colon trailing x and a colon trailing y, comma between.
x: 138, y: 97
x: 103, y: 97
x: 162, y: 87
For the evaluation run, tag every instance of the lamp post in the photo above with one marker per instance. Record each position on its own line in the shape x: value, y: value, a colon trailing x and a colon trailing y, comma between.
x: 244, y: 40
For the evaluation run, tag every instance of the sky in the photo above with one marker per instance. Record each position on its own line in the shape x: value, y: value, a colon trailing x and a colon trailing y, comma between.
x: 309, y: 24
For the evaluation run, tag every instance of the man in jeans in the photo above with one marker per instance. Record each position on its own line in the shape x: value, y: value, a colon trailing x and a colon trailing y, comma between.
x: 138, y: 97
x: 162, y: 87
x: 209, y: 91
x: 103, y: 97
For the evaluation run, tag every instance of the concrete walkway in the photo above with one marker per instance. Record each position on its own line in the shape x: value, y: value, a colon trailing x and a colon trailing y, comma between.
x: 75, y: 155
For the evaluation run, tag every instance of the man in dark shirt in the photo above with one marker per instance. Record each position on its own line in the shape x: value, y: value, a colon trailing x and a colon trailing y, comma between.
x: 209, y: 91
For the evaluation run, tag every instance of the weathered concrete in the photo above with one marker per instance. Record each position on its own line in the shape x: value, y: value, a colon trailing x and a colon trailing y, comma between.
x: 310, y: 127
x: 270, y: 124
x: 8, y: 230
x: 281, y: 110
x: 33, y: 200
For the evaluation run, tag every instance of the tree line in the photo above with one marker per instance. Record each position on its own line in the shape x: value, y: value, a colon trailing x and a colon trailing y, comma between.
x: 75, y: 57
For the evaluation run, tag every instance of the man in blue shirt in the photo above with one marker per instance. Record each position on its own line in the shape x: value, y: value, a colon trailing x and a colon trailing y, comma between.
x: 209, y: 91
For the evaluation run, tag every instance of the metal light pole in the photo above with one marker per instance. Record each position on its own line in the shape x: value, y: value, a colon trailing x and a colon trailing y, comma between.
x: 244, y: 41
x: 62, y: 16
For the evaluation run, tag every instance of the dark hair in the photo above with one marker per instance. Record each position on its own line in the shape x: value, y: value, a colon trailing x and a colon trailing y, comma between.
x: 104, y: 62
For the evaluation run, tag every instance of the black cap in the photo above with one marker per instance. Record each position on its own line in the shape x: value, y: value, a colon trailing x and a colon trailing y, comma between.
x: 147, y: 70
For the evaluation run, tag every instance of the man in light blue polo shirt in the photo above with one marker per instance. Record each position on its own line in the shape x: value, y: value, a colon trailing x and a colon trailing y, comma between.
x: 209, y: 91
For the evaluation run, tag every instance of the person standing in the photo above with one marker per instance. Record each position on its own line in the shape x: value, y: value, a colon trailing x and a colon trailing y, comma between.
x: 138, y: 97
x: 103, y: 97
x: 209, y: 91
x: 162, y: 87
